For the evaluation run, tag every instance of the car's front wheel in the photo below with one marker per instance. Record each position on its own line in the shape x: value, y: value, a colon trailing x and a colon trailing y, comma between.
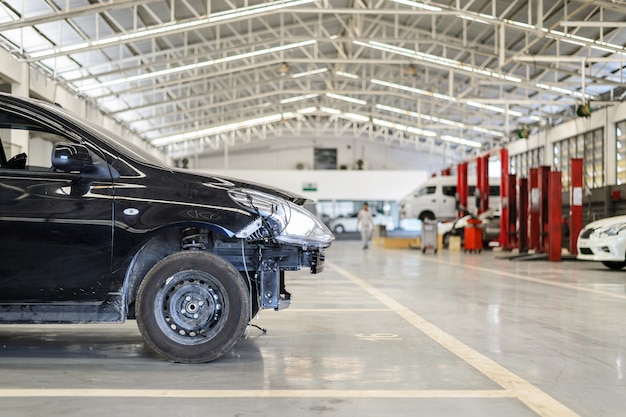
x: 192, y: 307
x: 614, y: 265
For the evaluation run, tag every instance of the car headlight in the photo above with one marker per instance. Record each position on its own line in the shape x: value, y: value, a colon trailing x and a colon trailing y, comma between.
x: 612, y: 230
x: 292, y: 224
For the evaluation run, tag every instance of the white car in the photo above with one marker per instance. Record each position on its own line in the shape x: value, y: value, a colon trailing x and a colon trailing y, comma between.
x: 348, y: 224
x: 604, y: 241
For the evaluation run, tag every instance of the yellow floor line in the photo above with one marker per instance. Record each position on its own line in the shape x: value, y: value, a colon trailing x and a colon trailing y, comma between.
x: 533, y: 397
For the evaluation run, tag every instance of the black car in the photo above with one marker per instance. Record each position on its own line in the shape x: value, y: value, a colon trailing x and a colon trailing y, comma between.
x: 101, y: 232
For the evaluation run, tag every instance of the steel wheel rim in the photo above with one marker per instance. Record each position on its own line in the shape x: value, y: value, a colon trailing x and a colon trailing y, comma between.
x: 191, y: 307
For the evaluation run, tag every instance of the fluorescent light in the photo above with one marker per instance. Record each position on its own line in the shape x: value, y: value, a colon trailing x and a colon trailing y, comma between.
x: 347, y: 75
x: 144, y: 33
x: 438, y: 120
x: 216, y: 130
x: 461, y: 141
x: 419, y: 5
x: 420, y: 116
x: 413, y: 90
x: 298, y: 98
x: 330, y: 110
x: 493, y: 108
x: 451, y: 63
x: 199, y: 65
x: 346, y: 98
x: 312, y: 72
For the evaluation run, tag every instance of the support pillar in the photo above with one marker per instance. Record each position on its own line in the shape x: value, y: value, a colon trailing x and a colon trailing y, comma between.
x: 480, y: 169
x: 482, y: 182
x: 511, y: 218
x: 523, y: 215
x: 575, y: 203
x: 504, y: 196
x: 555, y: 209
x: 533, y: 215
x: 462, y: 188
x: 543, y: 178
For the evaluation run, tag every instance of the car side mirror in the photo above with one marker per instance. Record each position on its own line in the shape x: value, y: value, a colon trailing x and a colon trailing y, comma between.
x: 74, y: 157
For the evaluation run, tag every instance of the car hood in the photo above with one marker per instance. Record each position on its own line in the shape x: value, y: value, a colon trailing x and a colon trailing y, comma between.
x: 227, y: 183
x: 608, y: 221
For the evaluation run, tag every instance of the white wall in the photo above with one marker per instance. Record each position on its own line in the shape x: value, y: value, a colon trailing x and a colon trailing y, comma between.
x: 288, y: 153
x: 336, y: 185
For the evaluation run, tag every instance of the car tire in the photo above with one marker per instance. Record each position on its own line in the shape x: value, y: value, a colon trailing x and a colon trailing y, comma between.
x: 616, y: 266
x: 427, y: 215
x: 339, y: 229
x: 192, y: 307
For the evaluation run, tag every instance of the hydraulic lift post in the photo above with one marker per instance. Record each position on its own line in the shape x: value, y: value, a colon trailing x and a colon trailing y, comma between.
x: 511, y: 218
x: 575, y: 203
x: 533, y: 212
x: 461, y: 188
x: 504, y: 196
x: 523, y: 215
x: 543, y: 177
x: 555, y: 210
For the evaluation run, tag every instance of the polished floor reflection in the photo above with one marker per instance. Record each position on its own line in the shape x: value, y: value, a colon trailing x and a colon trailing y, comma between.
x: 379, y: 333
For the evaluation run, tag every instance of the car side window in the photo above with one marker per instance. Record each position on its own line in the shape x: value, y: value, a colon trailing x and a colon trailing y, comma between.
x: 449, y: 190
x: 26, y: 145
x: 427, y: 190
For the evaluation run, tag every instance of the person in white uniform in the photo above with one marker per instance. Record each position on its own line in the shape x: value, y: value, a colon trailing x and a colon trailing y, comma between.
x: 365, y: 222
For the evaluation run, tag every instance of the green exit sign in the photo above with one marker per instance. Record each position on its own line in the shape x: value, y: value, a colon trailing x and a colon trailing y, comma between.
x: 309, y: 186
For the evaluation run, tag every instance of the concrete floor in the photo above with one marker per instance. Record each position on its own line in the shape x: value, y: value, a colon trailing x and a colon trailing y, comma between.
x: 379, y: 333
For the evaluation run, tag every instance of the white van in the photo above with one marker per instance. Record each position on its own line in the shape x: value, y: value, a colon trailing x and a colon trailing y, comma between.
x: 436, y: 198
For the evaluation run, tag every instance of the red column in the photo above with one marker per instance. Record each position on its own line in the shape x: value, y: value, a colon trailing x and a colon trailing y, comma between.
x: 523, y: 215
x: 576, y: 193
x: 533, y: 224
x: 480, y: 168
x: 482, y: 181
x: 543, y: 177
x: 504, y: 196
x: 511, y: 227
x: 462, y: 187
x: 555, y: 210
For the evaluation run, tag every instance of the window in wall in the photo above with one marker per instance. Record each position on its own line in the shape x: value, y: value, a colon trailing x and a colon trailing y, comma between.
x: 520, y: 164
x: 620, y: 152
x: 593, y: 161
x: 325, y: 158
x: 590, y: 147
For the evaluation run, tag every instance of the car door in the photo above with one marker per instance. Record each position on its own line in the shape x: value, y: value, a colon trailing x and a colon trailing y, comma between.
x: 55, y: 233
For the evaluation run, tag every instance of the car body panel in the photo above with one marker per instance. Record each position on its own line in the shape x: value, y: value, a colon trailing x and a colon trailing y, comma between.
x: 76, y: 247
x: 592, y: 245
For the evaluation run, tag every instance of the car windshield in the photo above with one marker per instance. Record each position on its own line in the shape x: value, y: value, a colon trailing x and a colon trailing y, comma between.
x: 124, y: 147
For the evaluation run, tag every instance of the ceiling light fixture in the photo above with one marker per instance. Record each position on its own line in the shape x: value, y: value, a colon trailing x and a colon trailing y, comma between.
x: 418, y: 5
x: 347, y: 98
x: 347, y: 75
x: 298, y: 98
x: 413, y: 90
x: 216, y: 130
x: 438, y: 120
x: 146, y: 33
x: 450, y: 63
x: 312, y: 72
x: 198, y: 65
x: 283, y: 69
